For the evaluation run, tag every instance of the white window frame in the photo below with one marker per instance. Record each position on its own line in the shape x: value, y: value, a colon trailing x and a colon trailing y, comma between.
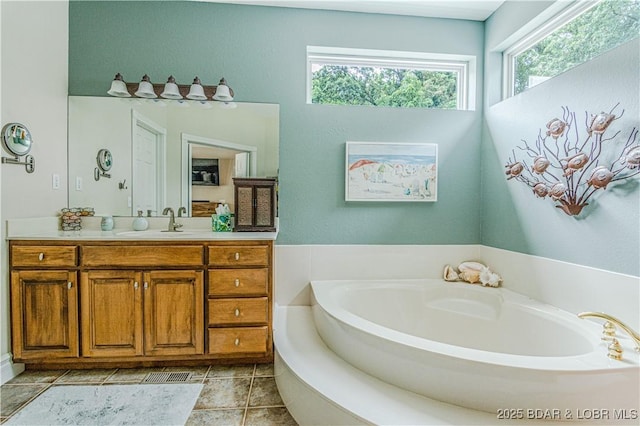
x: 463, y: 65
x: 557, y: 21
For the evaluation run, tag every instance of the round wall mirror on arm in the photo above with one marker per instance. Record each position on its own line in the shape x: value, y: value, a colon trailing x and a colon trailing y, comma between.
x: 16, y: 140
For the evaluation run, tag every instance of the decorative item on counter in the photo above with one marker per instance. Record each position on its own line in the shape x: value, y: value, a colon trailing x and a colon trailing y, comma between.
x: 71, y: 219
x: 140, y: 223
x: 106, y: 224
x: 472, y: 272
x: 221, y: 221
x: 569, y: 170
x: 87, y: 211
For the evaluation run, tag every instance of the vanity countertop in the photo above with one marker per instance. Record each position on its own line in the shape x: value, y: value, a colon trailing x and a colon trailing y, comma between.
x: 194, y: 229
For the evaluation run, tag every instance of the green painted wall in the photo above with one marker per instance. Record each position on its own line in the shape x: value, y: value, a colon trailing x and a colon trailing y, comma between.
x: 606, y: 235
x: 261, y: 51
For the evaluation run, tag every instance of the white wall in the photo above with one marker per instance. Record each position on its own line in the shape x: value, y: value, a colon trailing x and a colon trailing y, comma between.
x: 34, y: 80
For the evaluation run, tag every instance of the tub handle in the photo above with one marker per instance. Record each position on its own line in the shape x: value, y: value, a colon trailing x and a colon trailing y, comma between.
x: 615, y: 350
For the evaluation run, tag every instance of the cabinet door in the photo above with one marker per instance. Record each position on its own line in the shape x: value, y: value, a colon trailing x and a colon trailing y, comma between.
x: 264, y: 196
x: 111, y: 313
x: 174, y: 312
x: 44, y: 312
x: 244, y: 206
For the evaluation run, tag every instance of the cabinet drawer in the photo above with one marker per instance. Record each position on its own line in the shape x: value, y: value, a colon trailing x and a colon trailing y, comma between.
x: 238, y: 340
x: 239, y: 255
x: 123, y: 255
x: 236, y: 282
x: 43, y: 256
x: 238, y: 311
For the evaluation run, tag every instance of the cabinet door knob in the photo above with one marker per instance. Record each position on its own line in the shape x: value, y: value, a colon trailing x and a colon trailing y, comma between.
x: 237, y: 312
x: 69, y: 285
x: 237, y: 342
x: 146, y: 285
x: 237, y: 256
x: 41, y: 257
x: 135, y: 285
x: 237, y: 282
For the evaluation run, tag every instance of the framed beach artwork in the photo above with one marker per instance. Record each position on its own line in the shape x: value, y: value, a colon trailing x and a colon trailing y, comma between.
x: 377, y: 171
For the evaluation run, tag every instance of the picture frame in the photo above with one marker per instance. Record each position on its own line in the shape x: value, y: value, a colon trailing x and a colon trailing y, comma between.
x: 391, y: 172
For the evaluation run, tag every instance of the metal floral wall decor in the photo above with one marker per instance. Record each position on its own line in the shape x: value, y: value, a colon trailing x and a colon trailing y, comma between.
x: 569, y: 166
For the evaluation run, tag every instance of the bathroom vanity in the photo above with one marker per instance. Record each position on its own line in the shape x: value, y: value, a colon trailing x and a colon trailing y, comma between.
x: 94, y: 299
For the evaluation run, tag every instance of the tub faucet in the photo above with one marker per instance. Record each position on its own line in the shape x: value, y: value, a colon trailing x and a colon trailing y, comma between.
x: 609, y: 332
x: 173, y: 226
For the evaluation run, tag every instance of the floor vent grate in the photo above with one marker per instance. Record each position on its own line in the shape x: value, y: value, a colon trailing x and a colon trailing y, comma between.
x: 177, y: 377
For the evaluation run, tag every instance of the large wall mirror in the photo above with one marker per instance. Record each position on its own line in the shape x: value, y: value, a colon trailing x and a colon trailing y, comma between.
x: 167, y: 153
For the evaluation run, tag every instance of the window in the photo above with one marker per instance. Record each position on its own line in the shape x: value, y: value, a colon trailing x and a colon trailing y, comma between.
x: 578, y: 34
x: 344, y: 76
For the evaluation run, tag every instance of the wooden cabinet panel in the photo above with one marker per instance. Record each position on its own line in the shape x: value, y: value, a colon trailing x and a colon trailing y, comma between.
x: 43, y: 256
x: 238, y: 340
x: 44, y: 314
x: 227, y: 256
x: 111, y: 313
x: 174, y: 312
x: 235, y: 282
x: 243, y: 311
x: 143, y: 256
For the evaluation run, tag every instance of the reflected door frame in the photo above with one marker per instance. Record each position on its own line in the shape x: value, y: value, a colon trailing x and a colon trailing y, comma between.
x: 139, y: 121
x: 187, y: 144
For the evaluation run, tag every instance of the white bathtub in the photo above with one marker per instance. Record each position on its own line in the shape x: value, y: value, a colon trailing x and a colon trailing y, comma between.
x: 482, y: 348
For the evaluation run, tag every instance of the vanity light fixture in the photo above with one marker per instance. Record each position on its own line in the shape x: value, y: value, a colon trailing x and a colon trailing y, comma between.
x: 171, y: 90
x: 145, y: 89
x: 196, y: 91
x: 223, y: 92
x: 119, y: 87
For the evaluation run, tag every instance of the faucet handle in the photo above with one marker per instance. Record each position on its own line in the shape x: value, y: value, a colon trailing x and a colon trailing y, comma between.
x: 608, y: 331
x: 615, y: 350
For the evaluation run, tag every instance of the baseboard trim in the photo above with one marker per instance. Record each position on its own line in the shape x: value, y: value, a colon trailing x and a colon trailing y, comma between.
x: 9, y: 369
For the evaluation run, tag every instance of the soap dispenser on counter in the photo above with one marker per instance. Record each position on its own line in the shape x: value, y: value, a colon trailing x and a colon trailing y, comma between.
x: 140, y: 223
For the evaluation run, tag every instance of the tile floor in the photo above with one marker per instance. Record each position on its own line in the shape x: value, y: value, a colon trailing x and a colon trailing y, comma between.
x: 232, y: 395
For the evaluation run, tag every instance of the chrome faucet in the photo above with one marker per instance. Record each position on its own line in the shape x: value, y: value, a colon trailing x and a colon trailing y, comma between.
x: 173, y: 226
x: 609, y: 332
x: 182, y: 211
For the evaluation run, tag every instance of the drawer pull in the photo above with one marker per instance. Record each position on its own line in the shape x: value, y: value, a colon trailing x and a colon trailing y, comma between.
x: 41, y: 257
x: 237, y: 342
x: 135, y: 285
x: 69, y: 285
x: 237, y: 256
x: 237, y: 312
x: 237, y: 282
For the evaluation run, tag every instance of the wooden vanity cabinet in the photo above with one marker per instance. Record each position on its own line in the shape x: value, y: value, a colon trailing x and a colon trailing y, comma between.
x: 133, y: 312
x: 44, y: 314
x: 239, y: 299
x: 88, y: 303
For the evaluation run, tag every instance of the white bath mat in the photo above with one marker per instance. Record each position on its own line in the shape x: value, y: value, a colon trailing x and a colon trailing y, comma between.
x: 164, y: 404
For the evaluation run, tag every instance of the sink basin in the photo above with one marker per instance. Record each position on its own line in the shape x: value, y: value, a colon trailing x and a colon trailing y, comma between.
x: 155, y: 233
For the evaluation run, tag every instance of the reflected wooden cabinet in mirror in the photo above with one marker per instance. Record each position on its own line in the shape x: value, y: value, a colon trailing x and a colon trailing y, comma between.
x: 255, y: 204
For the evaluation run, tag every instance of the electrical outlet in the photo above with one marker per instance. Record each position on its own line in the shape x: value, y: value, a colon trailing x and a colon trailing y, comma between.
x: 55, y: 181
x: 78, y: 183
